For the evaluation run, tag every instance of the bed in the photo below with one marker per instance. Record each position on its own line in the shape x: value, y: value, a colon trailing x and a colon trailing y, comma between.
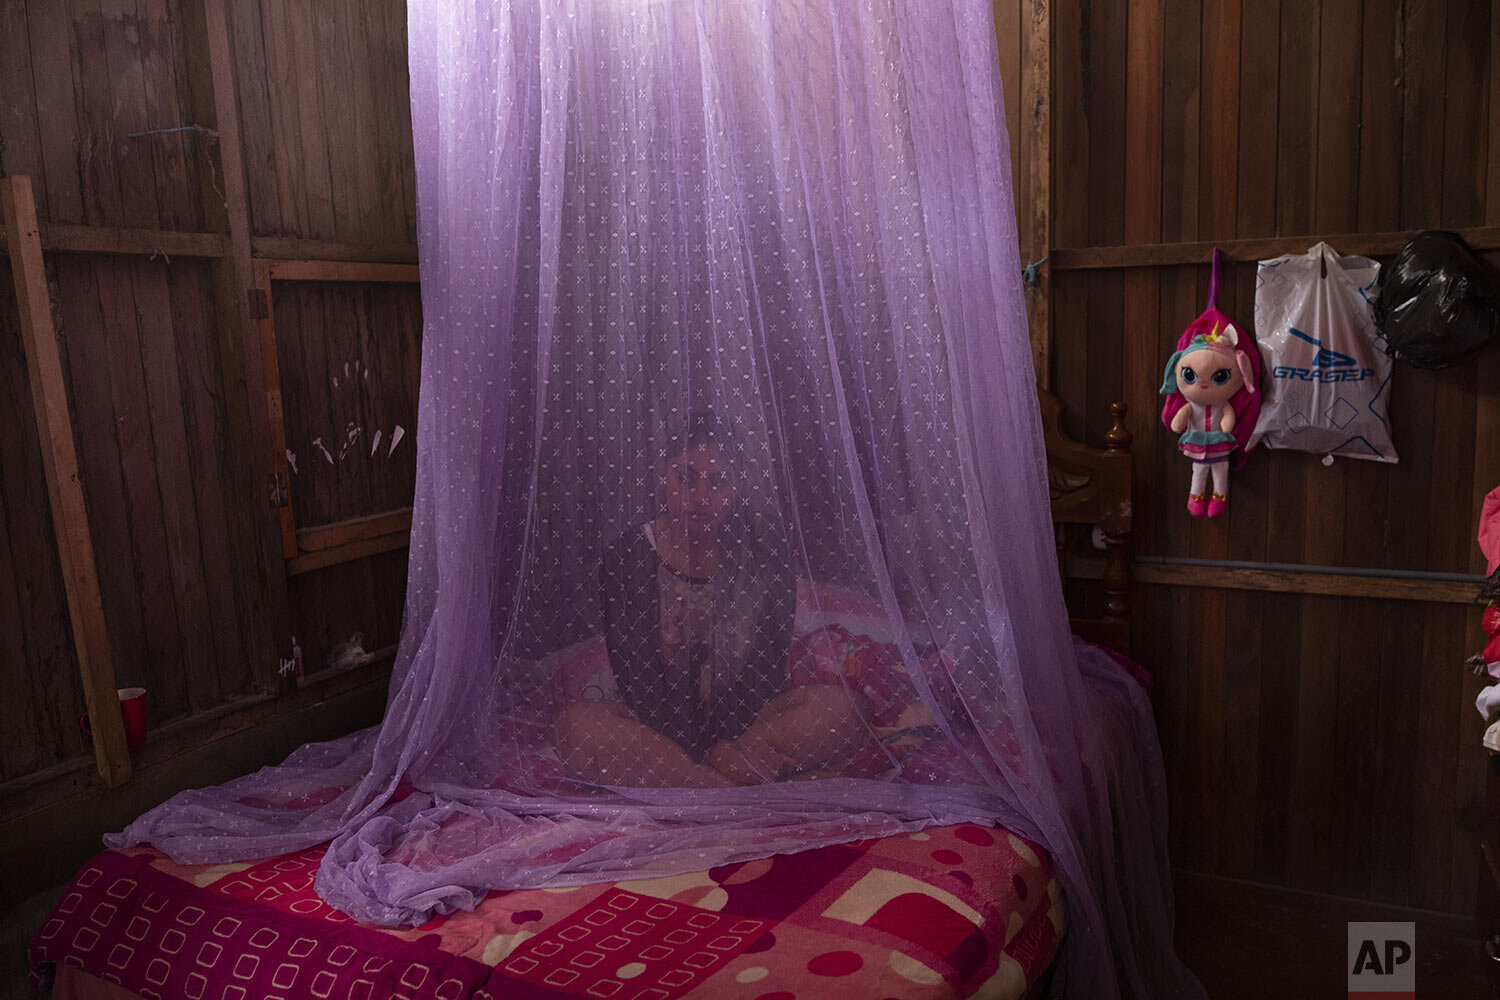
x: 948, y: 912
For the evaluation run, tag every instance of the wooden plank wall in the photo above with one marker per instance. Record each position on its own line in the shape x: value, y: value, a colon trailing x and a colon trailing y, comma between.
x: 1322, y: 742
x: 327, y: 123
x: 1011, y: 31
x: 326, y: 118
x: 350, y: 355
x: 321, y: 94
x: 141, y: 362
x: 40, y: 715
x: 1327, y: 743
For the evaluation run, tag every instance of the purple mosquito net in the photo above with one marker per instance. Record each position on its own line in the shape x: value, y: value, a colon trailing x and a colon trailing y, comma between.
x: 731, y: 534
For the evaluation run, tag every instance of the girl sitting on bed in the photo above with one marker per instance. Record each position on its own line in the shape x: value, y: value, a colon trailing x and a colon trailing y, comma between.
x: 698, y: 607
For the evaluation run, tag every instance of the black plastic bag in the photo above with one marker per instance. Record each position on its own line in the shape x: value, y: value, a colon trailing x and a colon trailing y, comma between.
x: 1437, y: 305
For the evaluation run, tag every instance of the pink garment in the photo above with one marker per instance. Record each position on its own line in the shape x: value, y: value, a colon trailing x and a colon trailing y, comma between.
x: 1489, y: 531
x: 1203, y: 441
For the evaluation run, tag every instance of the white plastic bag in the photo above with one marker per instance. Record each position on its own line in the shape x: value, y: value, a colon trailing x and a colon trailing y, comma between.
x: 1326, y: 382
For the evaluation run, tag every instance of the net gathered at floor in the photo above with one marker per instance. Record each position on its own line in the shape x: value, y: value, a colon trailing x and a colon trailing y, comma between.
x: 731, y: 534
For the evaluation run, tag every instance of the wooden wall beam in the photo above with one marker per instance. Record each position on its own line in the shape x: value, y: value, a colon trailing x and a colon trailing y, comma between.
x: 64, y: 238
x: 271, y: 248
x: 334, y: 270
x: 1036, y: 104
x: 141, y: 242
x: 1201, y: 252
x: 347, y: 552
x: 221, y: 172
x: 1307, y: 582
x: 328, y: 536
x: 281, y: 498
x: 54, y: 421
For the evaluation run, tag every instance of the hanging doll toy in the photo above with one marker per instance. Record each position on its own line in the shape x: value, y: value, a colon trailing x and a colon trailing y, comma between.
x: 1213, y: 400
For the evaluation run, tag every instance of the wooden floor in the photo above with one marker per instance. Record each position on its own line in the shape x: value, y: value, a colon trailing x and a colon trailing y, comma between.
x: 1245, y: 941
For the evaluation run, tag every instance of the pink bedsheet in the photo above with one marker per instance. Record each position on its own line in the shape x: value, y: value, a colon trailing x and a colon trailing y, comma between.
x: 949, y: 912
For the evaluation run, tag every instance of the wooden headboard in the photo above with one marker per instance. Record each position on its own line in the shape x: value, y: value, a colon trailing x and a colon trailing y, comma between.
x: 1092, y: 487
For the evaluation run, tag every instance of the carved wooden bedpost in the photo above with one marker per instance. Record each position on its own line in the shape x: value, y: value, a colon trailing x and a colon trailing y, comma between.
x: 1092, y: 486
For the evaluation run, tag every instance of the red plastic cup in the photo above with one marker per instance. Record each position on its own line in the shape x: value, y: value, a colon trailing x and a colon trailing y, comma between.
x: 133, y: 710
x: 132, y: 713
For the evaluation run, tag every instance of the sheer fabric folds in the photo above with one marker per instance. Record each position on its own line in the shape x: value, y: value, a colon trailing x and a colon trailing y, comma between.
x: 731, y: 533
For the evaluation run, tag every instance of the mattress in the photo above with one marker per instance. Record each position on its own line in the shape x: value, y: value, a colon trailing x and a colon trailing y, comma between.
x: 959, y: 911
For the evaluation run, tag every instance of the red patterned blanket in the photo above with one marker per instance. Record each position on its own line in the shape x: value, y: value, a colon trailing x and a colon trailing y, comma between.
x: 949, y: 912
